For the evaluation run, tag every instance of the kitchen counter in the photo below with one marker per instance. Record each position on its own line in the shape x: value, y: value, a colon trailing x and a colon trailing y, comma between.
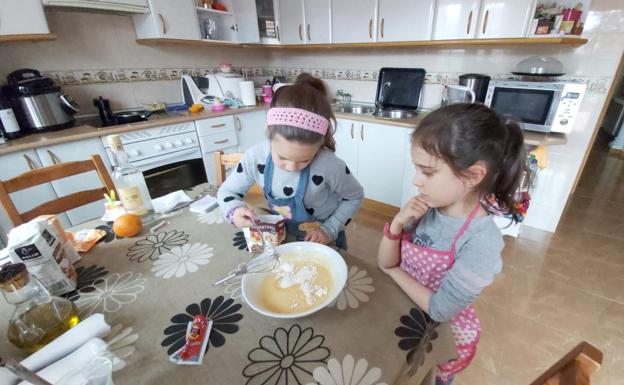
x: 85, y: 131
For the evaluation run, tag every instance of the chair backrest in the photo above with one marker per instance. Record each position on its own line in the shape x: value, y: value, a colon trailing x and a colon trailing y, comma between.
x: 575, y: 368
x: 225, y: 161
x: 49, y: 174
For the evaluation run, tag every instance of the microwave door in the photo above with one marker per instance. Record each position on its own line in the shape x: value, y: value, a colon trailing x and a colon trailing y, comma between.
x: 533, y: 108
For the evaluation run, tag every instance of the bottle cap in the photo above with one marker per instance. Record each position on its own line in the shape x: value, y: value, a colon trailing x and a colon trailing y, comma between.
x: 115, y: 141
x: 13, y: 276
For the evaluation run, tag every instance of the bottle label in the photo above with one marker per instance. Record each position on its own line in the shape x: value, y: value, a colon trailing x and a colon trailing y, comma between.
x: 8, y: 120
x: 131, y: 199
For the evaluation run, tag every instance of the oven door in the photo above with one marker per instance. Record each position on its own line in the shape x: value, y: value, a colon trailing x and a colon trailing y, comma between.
x: 174, y: 171
x: 534, y: 108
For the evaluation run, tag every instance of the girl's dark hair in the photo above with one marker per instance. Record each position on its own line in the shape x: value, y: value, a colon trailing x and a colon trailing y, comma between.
x: 307, y: 93
x: 463, y: 134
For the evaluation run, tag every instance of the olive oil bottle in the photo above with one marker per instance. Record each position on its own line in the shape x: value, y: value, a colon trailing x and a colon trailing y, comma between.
x: 38, y: 317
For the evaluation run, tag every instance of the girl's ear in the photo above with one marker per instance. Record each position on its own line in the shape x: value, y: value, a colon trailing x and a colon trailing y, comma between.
x: 475, y: 174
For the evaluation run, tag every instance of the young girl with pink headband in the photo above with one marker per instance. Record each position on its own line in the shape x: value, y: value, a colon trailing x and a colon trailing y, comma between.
x: 301, y: 176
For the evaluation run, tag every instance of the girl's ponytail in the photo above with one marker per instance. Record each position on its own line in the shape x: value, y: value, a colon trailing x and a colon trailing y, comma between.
x: 513, y: 167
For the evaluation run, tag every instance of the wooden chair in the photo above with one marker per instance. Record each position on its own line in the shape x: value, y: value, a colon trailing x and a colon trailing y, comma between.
x: 48, y: 174
x: 575, y: 368
x: 225, y: 161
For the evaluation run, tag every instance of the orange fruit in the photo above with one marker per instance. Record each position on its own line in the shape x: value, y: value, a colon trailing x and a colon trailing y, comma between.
x: 127, y: 225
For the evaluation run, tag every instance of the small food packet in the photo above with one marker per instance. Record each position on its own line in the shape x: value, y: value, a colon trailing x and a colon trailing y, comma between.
x: 271, y: 228
x: 84, y: 240
x: 197, y: 336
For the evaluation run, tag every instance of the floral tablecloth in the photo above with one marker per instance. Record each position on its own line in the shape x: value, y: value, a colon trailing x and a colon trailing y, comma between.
x: 150, y: 286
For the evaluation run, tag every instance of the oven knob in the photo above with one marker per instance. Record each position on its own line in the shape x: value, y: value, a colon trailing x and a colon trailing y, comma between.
x: 158, y: 147
x: 168, y: 145
x: 188, y: 141
x: 135, y: 153
x: 178, y: 142
x: 563, y: 122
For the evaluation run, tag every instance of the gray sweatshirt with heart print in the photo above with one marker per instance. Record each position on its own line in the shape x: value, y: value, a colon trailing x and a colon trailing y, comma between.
x: 333, y: 195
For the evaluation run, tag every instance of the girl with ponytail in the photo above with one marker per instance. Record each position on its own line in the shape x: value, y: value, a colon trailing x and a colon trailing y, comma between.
x: 443, y: 248
x: 297, y: 168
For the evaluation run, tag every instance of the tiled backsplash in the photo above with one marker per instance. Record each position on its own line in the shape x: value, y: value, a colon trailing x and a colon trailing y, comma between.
x: 77, y: 77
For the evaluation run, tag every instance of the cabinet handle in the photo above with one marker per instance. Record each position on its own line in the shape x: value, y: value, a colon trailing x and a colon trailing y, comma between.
x: 309, y: 32
x: 469, y: 22
x: 383, y: 22
x: 164, y: 25
x: 221, y: 141
x: 239, y: 126
x: 55, y: 159
x: 362, y: 132
x: 370, y: 28
x: 278, y: 33
x: 300, y: 33
x: 485, y: 21
x: 31, y: 164
x: 218, y: 125
x: 352, y: 124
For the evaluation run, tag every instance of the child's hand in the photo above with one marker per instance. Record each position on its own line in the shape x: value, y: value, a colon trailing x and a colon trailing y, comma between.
x: 415, y: 208
x: 318, y: 236
x: 243, y: 217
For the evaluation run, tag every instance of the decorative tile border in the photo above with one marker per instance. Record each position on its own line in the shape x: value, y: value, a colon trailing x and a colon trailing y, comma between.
x: 598, y: 85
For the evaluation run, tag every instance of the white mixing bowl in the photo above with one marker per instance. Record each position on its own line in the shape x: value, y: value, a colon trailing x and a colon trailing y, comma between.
x: 298, y: 251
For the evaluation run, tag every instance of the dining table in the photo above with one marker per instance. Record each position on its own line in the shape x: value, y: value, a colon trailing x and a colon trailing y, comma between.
x: 149, y: 287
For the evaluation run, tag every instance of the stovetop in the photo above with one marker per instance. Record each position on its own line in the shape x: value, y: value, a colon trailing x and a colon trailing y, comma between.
x: 94, y: 120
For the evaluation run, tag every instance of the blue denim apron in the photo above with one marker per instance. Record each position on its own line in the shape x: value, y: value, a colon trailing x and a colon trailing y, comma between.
x: 298, y: 212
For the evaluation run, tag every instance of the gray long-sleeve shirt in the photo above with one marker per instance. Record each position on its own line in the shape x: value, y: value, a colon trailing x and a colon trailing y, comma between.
x: 477, y: 259
x: 333, y: 195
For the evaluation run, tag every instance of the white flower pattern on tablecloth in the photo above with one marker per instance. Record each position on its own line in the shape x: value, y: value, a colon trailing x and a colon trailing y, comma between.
x: 347, y: 373
x: 182, y: 260
x: 120, y: 342
x: 359, y: 283
x: 109, y: 294
x: 212, y: 217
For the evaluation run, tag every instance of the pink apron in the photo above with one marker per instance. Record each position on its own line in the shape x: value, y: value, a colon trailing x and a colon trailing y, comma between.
x: 428, y: 266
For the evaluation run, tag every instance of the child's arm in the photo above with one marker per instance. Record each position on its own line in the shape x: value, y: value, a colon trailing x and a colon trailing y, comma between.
x: 236, y: 185
x: 389, y: 250
x: 418, y: 293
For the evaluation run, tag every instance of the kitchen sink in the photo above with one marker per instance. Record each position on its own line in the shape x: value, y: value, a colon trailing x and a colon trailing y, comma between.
x: 359, y: 110
x: 394, y: 114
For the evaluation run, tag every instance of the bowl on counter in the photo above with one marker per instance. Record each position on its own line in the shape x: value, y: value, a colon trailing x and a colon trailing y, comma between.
x: 251, y: 285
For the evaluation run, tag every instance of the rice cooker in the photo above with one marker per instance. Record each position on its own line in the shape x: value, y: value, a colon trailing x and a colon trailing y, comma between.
x: 40, y: 105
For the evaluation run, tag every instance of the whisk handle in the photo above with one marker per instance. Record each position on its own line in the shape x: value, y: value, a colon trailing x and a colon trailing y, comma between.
x: 223, y: 280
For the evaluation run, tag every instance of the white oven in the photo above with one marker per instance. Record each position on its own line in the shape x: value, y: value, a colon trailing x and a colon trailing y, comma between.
x: 169, y: 157
x: 538, y: 106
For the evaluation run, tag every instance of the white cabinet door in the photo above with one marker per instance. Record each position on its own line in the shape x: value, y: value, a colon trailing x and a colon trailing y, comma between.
x: 317, y: 14
x: 75, y: 151
x: 14, y: 164
x: 381, y: 161
x: 456, y: 19
x: 504, y: 18
x: 346, y: 144
x: 22, y: 17
x: 250, y: 128
x: 291, y: 22
x: 353, y: 21
x: 401, y: 20
x: 246, y: 21
x: 168, y: 19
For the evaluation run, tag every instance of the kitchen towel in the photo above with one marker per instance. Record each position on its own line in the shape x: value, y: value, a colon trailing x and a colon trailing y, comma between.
x: 248, y: 93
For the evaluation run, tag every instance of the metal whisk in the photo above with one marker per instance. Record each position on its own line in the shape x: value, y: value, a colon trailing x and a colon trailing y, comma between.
x: 264, y: 262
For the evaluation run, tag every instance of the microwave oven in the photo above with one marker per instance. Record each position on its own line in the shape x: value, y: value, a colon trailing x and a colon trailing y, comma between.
x: 537, y: 106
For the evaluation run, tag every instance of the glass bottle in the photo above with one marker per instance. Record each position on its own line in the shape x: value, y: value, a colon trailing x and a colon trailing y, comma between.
x: 38, y: 317
x: 130, y: 182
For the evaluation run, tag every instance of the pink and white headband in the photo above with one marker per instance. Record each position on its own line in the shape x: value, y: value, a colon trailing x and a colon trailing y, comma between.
x: 297, y: 117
